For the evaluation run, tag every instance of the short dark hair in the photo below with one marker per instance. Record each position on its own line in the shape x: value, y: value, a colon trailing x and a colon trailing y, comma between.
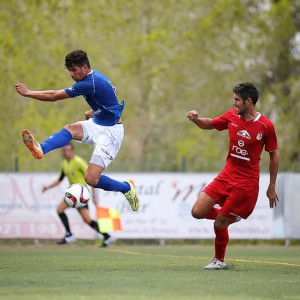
x: 247, y: 90
x: 78, y: 58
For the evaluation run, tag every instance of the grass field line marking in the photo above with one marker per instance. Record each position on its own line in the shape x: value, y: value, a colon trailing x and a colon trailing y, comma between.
x: 266, y: 262
x: 143, y: 253
x: 205, y: 258
x: 126, y: 252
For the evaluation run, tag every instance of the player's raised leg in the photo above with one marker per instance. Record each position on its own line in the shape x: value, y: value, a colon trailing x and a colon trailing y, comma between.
x: 204, y: 207
x: 94, y: 177
x: 56, y: 140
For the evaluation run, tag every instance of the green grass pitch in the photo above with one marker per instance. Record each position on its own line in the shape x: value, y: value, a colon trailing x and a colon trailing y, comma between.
x: 147, y: 272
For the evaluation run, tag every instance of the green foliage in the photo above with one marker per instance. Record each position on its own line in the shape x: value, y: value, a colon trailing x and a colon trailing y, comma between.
x: 163, y: 62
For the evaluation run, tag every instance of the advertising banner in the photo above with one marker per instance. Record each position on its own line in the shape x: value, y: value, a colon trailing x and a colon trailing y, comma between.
x: 166, y: 200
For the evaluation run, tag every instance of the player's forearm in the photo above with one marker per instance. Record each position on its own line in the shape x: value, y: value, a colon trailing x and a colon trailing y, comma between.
x: 203, y: 123
x: 47, y: 187
x: 273, y: 167
x: 50, y: 95
x: 53, y: 184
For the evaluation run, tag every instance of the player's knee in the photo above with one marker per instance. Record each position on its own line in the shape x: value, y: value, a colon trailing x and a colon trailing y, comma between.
x: 68, y: 127
x: 196, y: 213
x: 74, y: 130
x: 221, y: 224
x: 59, y: 211
x: 90, y: 180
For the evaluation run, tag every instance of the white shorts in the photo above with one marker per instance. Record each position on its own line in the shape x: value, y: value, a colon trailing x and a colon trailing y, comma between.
x: 107, y: 141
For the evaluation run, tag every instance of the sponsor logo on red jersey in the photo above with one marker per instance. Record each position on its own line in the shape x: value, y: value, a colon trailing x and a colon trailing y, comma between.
x: 244, y: 133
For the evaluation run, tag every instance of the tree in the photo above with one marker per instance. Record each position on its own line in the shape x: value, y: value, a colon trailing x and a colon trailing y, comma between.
x: 163, y: 62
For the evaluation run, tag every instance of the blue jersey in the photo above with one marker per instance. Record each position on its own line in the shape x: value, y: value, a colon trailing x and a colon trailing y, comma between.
x: 100, y: 94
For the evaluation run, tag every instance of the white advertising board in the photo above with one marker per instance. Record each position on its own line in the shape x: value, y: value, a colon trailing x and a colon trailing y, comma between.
x: 166, y: 200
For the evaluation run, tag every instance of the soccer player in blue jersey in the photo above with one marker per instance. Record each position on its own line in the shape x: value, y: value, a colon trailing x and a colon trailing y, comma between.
x: 102, y: 126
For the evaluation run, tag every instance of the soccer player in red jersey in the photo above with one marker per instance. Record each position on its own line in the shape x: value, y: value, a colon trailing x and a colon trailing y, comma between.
x: 235, y: 189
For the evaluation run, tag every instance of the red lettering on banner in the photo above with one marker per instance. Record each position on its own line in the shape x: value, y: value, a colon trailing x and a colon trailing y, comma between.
x: 32, y: 192
x: 29, y: 229
x: 186, y: 191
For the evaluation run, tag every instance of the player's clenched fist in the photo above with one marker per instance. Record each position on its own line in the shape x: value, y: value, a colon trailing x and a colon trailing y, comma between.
x: 192, y: 115
x: 88, y: 114
x: 21, y: 88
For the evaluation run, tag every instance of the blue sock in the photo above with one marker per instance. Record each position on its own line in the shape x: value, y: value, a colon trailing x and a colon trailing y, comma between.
x: 108, y: 184
x: 57, y: 140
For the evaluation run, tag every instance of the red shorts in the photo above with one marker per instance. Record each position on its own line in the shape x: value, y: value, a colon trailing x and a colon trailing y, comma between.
x: 234, y: 199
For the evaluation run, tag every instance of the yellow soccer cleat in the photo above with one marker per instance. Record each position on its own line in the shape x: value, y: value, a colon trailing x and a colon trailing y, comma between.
x: 132, y: 196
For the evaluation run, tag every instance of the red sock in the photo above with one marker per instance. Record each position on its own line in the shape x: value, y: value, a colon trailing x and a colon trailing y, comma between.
x: 221, y: 242
x: 212, y: 214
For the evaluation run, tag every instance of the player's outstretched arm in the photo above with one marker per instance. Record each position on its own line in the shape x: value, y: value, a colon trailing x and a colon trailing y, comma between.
x: 273, y: 169
x: 50, y: 95
x: 203, y: 123
x: 50, y: 186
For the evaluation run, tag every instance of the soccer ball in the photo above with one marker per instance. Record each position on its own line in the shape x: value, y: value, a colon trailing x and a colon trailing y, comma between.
x: 77, y: 195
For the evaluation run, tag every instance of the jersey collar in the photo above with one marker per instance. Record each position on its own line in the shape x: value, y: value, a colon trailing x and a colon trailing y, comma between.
x: 257, y: 118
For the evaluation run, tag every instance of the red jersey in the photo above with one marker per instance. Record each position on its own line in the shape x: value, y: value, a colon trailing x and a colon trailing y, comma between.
x: 246, y: 142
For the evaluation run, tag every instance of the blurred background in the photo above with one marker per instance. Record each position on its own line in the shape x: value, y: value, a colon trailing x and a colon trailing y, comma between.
x: 165, y: 58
